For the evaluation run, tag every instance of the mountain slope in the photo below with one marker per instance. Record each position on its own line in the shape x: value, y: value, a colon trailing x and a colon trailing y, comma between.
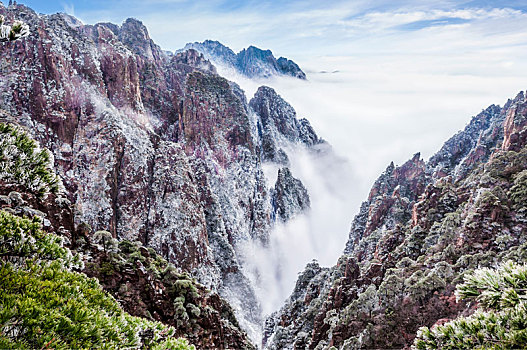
x: 46, y: 301
x: 423, y: 226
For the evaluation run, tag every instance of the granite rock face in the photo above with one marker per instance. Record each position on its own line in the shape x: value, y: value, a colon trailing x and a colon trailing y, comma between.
x: 422, y: 227
x: 151, y: 147
x: 144, y: 283
x: 251, y: 62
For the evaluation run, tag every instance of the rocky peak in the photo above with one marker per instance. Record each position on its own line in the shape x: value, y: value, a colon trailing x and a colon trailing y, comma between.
x: 515, y: 122
x: 272, y: 109
x: 308, y: 134
x: 194, y: 60
x: 289, y: 196
x: 114, y: 28
x: 134, y: 35
x: 277, y: 124
x: 214, y: 116
x: 254, y: 62
x: 72, y: 21
x: 470, y: 145
x: 214, y: 51
x: 408, y: 178
x: 288, y: 67
x: 391, y: 194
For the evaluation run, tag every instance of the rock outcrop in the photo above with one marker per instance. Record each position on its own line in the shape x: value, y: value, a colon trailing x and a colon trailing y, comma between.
x: 278, y: 126
x: 289, y: 196
x: 251, y: 62
x: 424, y: 224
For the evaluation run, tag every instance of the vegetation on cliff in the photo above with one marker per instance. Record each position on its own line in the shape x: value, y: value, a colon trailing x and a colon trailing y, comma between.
x: 14, y: 31
x: 150, y: 287
x: 24, y: 164
x: 45, y: 301
x: 501, y: 318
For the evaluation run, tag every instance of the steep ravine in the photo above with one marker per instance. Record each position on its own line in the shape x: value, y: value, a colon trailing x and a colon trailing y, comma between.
x: 173, y: 178
x: 423, y: 226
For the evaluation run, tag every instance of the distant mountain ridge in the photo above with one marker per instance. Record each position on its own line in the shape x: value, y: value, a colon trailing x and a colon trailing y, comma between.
x: 251, y: 62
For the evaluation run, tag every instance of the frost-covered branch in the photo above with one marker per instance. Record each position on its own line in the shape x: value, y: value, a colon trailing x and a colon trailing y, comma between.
x: 12, y: 32
x: 502, y: 324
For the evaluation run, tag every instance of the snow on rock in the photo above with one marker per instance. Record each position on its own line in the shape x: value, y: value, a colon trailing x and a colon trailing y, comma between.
x: 157, y: 148
x: 251, y: 62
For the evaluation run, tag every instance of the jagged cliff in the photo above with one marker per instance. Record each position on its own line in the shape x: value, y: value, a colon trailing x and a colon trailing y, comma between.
x: 423, y: 226
x: 154, y: 148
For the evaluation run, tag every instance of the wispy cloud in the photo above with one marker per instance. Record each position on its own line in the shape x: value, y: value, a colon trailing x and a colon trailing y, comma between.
x: 69, y: 8
x: 295, y: 29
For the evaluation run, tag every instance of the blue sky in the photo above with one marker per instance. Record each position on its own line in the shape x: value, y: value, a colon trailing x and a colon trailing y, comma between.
x: 299, y: 26
x: 149, y: 5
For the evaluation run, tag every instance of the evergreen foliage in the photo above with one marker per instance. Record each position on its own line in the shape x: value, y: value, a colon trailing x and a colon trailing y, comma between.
x: 44, y: 304
x: 12, y: 32
x: 501, y: 324
x: 23, y: 163
x: 22, y: 241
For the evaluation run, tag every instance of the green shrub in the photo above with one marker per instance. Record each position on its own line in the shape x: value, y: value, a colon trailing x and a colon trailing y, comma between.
x: 23, y: 163
x: 23, y: 239
x: 502, y: 324
x: 43, y: 304
x: 14, y: 31
x: 518, y: 192
x: 105, y: 240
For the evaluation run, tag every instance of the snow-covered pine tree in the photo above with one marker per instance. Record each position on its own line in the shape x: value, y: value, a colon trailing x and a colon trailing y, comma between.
x: 14, y: 31
x: 500, y: 322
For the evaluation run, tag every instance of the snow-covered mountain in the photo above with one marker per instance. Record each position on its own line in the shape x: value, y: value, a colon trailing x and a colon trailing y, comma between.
x: 157, y: 148
x: 251, y: 62
x: 174, y: 181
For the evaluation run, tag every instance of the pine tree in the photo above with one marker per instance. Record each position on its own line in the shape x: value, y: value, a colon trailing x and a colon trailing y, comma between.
x: 23, y: 163
x: 499, y: 323
x: 45, y: 304
x: 14, y: 31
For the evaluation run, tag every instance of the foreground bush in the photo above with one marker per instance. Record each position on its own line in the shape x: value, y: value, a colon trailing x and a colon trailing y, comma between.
x: 501, y: 321
x: 45, y: 304
x: 24, y: 164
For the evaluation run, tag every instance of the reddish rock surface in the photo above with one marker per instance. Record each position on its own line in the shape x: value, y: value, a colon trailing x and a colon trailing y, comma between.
x: 151, y: 146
